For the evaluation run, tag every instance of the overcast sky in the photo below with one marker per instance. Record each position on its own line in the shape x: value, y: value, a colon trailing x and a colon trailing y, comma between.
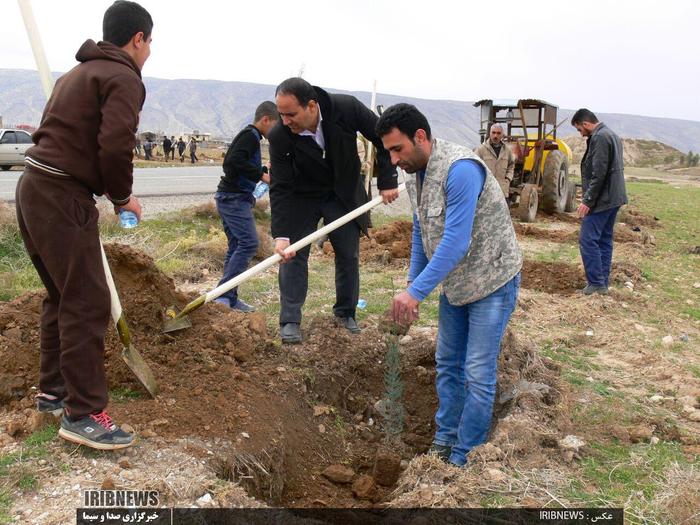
x: 631, y: 56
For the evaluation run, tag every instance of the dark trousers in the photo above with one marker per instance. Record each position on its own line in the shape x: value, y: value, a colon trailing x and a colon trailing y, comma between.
x: 236, y: 211
x: 193, y: 157
x: 58, y: 222
x: 596, y: 245
x: 294, y: 275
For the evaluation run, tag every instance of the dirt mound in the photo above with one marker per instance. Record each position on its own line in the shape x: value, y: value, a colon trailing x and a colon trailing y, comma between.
x: 634, y: 218
x: 552, y: 277
x: 622, y: 272
x: 561, y: 236
x: 279, y: 416
x: 384, y: 244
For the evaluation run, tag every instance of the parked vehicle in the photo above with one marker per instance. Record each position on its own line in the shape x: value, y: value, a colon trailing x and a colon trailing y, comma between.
x: 13, y: 144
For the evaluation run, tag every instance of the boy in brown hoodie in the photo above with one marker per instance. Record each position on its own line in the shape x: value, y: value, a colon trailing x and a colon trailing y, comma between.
x: 83, y: 147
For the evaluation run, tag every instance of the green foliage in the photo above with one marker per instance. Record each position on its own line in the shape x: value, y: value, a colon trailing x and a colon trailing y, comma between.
x: 393, y: 392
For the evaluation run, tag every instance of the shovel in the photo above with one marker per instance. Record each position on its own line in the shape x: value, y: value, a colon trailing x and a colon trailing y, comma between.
x: 178, y: 320
x: 131, y: 356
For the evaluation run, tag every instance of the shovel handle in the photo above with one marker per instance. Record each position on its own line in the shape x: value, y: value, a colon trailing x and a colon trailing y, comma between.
x: 301, y: 243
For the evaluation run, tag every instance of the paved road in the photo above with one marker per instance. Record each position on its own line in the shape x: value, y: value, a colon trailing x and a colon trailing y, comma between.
x: 165, y: 189
x: 147, y: 181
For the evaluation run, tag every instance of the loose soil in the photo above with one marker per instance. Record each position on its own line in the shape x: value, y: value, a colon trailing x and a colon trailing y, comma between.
x: 278, y: 416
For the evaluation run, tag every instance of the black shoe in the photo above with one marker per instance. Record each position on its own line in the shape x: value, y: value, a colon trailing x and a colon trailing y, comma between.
x: 441, y: 451
x: 350, y: 324
x: 48, y: 403
x: 290, y: 333
x: 95, y: 431
x: 591, y: 289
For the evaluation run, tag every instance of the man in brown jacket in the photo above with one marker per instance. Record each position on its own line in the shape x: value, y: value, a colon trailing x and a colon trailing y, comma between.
x: 83, y: 147
x: 498, y: 157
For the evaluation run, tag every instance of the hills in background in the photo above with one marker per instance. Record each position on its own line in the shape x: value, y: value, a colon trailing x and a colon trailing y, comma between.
x: 222, y: 108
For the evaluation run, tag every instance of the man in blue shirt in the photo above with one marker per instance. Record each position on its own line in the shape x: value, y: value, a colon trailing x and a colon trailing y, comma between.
x: 243, y: 169
x: 463, y: 237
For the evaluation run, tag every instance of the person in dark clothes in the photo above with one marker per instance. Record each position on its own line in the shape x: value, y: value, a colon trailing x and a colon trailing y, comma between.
x: 603, y: 181
x: 83, y: 146
x: 193, y: 150
x: 181, y: 149
x: 316, y: 174
x: 147, y: 148
x: 172, y: 147
x: 243, y: 169
x: 167, y: 144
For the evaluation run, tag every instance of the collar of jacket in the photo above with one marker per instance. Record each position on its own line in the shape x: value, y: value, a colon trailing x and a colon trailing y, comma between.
x: 600, y: 126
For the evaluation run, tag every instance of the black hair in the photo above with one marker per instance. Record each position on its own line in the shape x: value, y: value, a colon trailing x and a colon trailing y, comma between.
x: 584, y: 115
x: 405, y: 117
x: 123, y: 20
x: 300, y: 88
x: 266, y: 109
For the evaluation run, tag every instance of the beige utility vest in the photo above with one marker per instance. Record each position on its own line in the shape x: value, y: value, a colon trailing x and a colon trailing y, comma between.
x: 494, y: 256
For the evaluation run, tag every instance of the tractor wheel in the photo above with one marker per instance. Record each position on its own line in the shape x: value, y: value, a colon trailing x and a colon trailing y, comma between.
x: 571, y: 197
x: 527, y: 208
x: 554, y: 182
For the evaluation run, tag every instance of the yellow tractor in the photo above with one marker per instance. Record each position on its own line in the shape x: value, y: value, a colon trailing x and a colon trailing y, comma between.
x: 541, y: 177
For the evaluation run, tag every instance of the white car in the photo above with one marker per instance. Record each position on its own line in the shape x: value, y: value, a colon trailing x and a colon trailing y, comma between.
x: 13, y: 144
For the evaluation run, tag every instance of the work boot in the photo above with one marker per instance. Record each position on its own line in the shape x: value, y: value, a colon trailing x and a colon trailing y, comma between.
x: 290, y: 333
x: 49, y: 404
x: 243, y: 307
x: 443, y: 452
x: 349, y: 324
x: 592, y: 288
x: 95, y: 431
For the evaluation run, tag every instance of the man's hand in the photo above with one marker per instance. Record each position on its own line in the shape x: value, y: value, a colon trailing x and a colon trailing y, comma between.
x: 265, y: 178
x: 133, y: 205
x: 582, y: 210
x: 404, y: 309
x: 280, y: 246
x: 389, y: 196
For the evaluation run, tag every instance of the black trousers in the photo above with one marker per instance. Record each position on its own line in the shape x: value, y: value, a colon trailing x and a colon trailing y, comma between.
x: 294, y: 275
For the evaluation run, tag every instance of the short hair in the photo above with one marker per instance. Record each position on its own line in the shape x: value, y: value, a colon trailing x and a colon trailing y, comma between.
x: 298, y: 87
x: 405, y: 117
x: 496, y: 125
x: 584, y: 115
x: 266, y: 109
x: 123, y: 20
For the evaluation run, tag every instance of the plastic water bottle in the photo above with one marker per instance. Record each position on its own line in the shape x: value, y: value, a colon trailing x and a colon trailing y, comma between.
x: 128, y: 219
x: 261, y: 189
x: 361, y: 304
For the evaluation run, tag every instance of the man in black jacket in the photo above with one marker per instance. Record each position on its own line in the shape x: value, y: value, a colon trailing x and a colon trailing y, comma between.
x: 316, y: 174
x: 243, y: 169
x: 602, y: 176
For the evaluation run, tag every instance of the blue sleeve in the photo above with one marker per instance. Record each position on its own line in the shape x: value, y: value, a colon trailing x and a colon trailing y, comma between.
x: 465, y: 181
x: 418, y: 258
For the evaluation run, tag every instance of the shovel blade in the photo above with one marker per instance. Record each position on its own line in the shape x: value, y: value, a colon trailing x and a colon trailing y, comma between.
x: 140, y: 368
x: 173, y: 323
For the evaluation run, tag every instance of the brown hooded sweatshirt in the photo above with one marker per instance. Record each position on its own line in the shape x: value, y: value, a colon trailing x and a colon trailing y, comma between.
x: 88, y: 127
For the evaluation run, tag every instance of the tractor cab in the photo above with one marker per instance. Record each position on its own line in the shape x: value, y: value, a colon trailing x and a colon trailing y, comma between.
x: 542, y: 160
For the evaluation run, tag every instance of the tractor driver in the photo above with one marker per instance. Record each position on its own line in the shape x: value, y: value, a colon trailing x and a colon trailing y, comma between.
x: 498, y: 157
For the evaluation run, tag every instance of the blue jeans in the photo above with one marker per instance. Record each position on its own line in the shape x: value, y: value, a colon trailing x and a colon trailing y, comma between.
x: 596, y: 245
x: 236, y: 211
x: 469, y: 341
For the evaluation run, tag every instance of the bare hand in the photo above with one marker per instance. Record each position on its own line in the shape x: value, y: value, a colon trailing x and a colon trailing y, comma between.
x: 265, y: 178
x: 582, y: 210
x: 280, y: 246
x: 404, y: 309
x: 389, y: 196
x: 133, y: 205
